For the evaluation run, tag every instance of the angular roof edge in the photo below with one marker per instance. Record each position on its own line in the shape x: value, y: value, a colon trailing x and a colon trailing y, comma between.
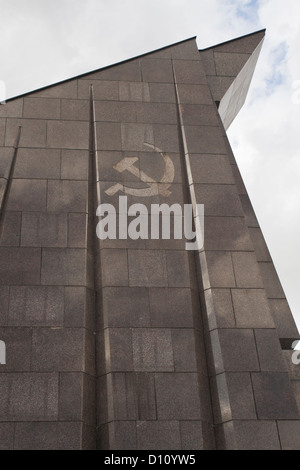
x: 232, y: 40
x: 97, y: 70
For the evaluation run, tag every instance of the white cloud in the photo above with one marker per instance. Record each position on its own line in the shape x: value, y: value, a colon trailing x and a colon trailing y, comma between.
x: 42, y: 42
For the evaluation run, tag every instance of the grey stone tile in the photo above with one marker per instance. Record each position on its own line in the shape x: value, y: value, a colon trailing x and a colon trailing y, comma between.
x: 75, y: 110
x: 158, y: 435
x: 36, y: 306
x: 102, y: 89
x: 162, y: 93
x: 27, y: 195
x: 61, y: 90
x: 237, y: 349
x: 64, y: 266
x: 89, y: 438
x: 177, y: 396
x: 20, y: 266
x: 122, y: 436
x: 178, y: 267
x: 271, y: 281
x: 33, y: 132
x: 193, y: 436
x: 12, y: 108
x: 68, y: 134
x: 187, y: 50
x: 133, y: 137
x: 67, y: 196
x: 29, y: 397
x: 189, y: 71
x: 126, y: 307
x: 4, y: 301
x: 293, y: 369
x: 6, y: 156
x: 211, y: 169
x: 2, y: 131
x: 152, y: 350
x: 70, y: 401
x: 199, y: 115
x: 217, y: 269
x: 252, y: 435
x: 219, y: 308
x: 37, y: 163
x: 147, y: 268
x: 18, y: 348
x: 48, y: 436
x: 114, y: 267
x: 134, y: 91
x: 115, y: 111
x: 219, y: 200
x: 246, y: 270
x: 219, y: 85
x: 238, y: 179
x: 244, y: 45
x: 79, y: 307
x: 77, y: 230
x: 119, y: 355
x: 260, y: 246
x: 163, y: 113
x: 171, y: 307
x: 166, y: 137
x: 194, y: 94
x: 283, y: 319
x: 59, y: 349
x: 269, y: 350
x: 109, y: 136
x: 41, y: 108
x: 273, y: 396
x: 250, y: 216
x: 156, y: 70
x: 128, y: 71
x: 226, y: 233
x: 6, y: 436
x: 11, y: 229
x: 3, y: 185
x: 251, y: 308
x: 229, y: 64
x: 205, y: 139
x: 184, y: 350
x: 44, y: 229
x: 208, y: 61
x: 74, y: 164
x: 289, y: 432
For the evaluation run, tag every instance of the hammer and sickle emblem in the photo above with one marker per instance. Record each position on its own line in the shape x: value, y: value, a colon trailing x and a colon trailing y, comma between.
x: 154, y: 188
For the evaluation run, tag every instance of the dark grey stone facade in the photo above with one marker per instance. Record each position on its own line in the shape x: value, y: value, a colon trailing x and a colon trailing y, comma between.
x: 139, y: 344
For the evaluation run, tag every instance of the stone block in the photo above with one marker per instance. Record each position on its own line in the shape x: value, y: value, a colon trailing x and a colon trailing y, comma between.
x: 133, y: 137
x: 36, y: 306
x: 74, y: 165
x: 4, y: 302
x: 114, y: 268
x: 229, y: 64
x: 58, y: 349
x: 134, y: 91
x: 259, y: 244
x: 29, y: 397
x: 238, y: 179
x: 205, y: 139
x: 2, y: 131
x: 246, y: 270
x: 186, y: 50
x: 249, y: 213
x: 48, y: 436
x: 115, y: 111
x: 217, y: 269
x: 102, y: 89
x: 75, y: 110
x: 156, y: 70
x: 6, y: 156
x: 13, y: 108
x: 18, y: 348
x: 77, y: 230
x: 67, y: 196
x: 184, y: 350
x: 177, y: 396
x: 166, y: 137
x: 208, y: 61
x: 194, y: 435
x: 20, y: 266
x: 79, y: 307
x: 67, y: 89
x: 158, y: 435
x: 128, y: 71
x: 162, y: 113
x: 11, y: 229
x: 147, y: 268
x: 109, y: 136
x: 68, y: 134
x: 162, y: 93
x: 251, y: 308
x: 64, y: 266
x: 283, y: 319
x: 152, y: 350
x: 199, y: 115
x: 219, y: 200
x: 289, y: 432
x: 37, y: 163
x: 251, y: 435
x: 211, y: 169
x: 41, y: 108
x: 178, y: 267
x: 7, y: 436
x: 269, y: 350
x: 271, y: 281
x: 189, y: 71
x: 171, y: 308
x: 33, y: 133
x: 76, y: 397
x: 27, y: 195
x: 194, y: 94
x: 44, y: 229
x: 273, y: 396
x: 126, y: 307
x: 219, y: 308
x: 119, y: 354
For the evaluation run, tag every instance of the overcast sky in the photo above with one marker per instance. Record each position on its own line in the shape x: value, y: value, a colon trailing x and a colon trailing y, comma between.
x: 45, y: 41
